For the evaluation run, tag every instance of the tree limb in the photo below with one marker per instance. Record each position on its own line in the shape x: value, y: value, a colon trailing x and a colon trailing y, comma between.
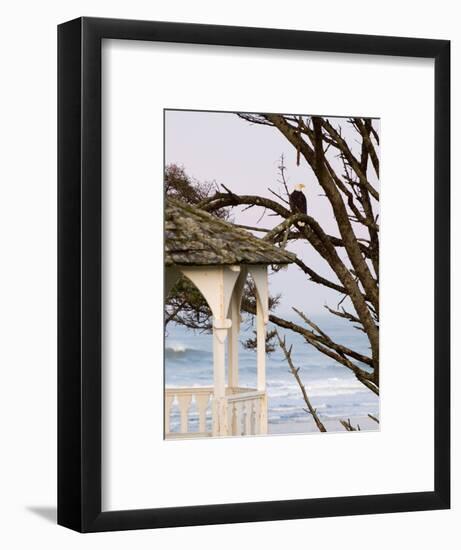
x: 295, y: 373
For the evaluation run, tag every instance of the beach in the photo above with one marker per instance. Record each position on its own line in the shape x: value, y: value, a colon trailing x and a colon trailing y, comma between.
x: 331, y: 425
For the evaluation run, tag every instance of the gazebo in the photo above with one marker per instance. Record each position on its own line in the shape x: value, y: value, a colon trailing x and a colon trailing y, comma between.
x: 217, y: 257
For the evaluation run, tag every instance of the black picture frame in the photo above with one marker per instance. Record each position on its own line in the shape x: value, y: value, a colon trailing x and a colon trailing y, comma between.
x: 79, y: 274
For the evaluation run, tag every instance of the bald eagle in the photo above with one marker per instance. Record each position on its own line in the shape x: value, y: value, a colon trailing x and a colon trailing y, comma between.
x: 298, y: 201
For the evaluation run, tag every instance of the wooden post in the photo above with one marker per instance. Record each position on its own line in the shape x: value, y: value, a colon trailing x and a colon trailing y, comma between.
x: 261, y: 348
x: 233, y: 345
x: 259, y: 274
x: 216, y: 283
x: 219, y: 410
x: 261, y: 365
x: 233, y: 351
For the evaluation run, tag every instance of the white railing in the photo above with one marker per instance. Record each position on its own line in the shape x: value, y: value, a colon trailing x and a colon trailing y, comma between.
x: 183, y: 398
x: 188, y: 412
x: 246, y: 413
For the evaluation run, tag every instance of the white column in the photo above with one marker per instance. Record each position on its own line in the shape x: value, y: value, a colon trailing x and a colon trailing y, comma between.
x: 219, y: 367
x: 261, y: 347
x: 261, y: 364
x: 259, y: 274
x: 216, y: 283
x: 219, y: 409
x: 233, y: 344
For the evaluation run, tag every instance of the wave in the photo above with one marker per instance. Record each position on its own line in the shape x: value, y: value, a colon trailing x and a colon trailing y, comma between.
x: 329, y: 387
x: 179, y: 348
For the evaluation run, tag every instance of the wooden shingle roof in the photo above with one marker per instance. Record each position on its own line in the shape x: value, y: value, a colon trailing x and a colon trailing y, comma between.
x: 195, y: 237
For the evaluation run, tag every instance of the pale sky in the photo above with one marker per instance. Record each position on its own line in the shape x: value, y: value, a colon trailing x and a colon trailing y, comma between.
x: 244, y: 157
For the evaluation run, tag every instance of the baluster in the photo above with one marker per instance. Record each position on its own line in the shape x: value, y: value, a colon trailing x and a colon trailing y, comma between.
x: 263, y: 414
x: 168, y: 402
x: 230, y: 413
x: 184, y: 401
x: 233, y: 419
x: 257, y: 419
x: 253, y: 416
x: 248, y: 409
x: 202, y: 405
x: 238, y: 418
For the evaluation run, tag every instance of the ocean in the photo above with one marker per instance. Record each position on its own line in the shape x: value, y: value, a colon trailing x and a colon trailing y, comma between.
x: 332, y: 388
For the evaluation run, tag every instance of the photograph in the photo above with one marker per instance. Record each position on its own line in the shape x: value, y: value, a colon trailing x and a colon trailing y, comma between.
x: 271, y: 270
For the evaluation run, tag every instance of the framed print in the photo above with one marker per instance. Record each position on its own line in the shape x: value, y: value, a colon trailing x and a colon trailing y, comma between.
x: 253, y: 274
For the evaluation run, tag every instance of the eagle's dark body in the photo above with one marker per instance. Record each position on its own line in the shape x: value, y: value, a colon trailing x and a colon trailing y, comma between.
x: 298, y: 202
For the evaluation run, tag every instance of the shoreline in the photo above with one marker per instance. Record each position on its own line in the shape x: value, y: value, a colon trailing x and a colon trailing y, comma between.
x: 332, y: 425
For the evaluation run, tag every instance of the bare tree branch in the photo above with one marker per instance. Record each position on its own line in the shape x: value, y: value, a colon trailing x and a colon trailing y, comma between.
x: 295, y: 372
x: 365, y: 128
x: 349, y: 427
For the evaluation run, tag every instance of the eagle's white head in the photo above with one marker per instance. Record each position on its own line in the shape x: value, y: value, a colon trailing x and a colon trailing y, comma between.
x: 300, y: 186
